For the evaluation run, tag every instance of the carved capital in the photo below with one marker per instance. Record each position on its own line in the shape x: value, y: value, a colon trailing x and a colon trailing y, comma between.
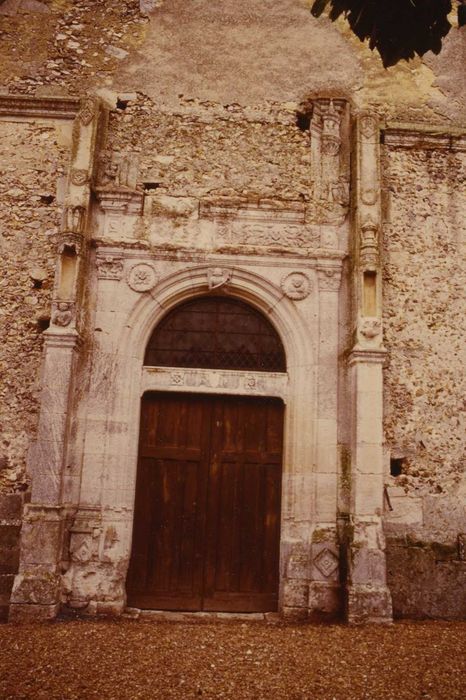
x: 109, y: 267
x: 329, y: 278
x: 68, y: 239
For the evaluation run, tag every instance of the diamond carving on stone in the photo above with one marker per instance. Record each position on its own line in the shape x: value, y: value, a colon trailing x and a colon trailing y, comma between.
x: 368, y: 126
x: 87, y: 111
x: 142, y: 277
x: 296, y: 285
x: 326, y: 562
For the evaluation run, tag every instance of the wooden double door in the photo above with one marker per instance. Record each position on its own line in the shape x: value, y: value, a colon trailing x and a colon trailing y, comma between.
x: 207, y: 511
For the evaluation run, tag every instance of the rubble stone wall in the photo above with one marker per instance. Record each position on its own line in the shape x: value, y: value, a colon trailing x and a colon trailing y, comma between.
x: 33, y: 158
x: 424, y: 282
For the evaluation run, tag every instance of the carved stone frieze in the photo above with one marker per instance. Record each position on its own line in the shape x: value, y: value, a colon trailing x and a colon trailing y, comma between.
x: 142, y: 277
x: 62, y: 313
x: 270, y: 234
x: 218, y: 277
x: 216, y: 381
x: 84, y: 536
x: 109, y: 267
x: 296, y: 285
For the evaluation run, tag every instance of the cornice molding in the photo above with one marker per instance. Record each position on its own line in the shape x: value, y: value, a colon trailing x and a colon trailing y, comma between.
x: 44, y: 107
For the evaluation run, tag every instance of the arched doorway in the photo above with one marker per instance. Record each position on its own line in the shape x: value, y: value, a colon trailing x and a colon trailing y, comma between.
x: 207, y: 511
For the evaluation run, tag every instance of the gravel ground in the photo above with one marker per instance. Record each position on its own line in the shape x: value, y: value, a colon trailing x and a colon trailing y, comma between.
x: 136, y: 659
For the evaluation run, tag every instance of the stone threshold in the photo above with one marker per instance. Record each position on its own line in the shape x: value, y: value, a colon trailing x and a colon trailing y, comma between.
x: 272, y: 618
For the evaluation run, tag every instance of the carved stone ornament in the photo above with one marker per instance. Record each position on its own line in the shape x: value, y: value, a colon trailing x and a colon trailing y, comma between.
x: 296, y: 285
x: 329, y: 278
x: 326, y: 562
x: 370, y: 328
x: 368, y: 126
x: 118, y: 170
x: 331, y: 119
x: 369, y: 244
x: 109, y: 267
x: 79, y: 177
x: 217, y: 277
x: 62, y: 313
x: 142, y: 277
x: 74, y: 219
x: 87, y: 111
x: 68, y: 239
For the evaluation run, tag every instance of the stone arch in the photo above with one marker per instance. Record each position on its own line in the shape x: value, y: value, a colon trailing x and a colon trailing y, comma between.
x: 260, y: 293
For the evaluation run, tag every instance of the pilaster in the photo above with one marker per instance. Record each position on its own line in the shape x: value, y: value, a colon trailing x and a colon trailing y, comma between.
x: 324, y: 589
x: 37, y: 588
x: 368, y: 598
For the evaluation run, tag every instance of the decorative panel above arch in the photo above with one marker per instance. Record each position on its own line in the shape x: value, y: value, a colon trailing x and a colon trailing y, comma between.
x: 216, y: 332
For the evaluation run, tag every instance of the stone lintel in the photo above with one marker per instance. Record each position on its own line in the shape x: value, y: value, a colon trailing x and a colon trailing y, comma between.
x: 421, y: 136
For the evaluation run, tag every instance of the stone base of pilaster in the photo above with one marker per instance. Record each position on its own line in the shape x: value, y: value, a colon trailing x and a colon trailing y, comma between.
x: 368, y: 604
x: 35, y: 596
x: 325, y: 601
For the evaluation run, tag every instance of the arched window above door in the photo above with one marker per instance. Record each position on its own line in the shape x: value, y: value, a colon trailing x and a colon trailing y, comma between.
x: 216, y: 332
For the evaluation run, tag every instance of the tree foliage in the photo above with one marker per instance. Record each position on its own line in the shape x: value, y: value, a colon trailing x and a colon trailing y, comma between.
x: 398, y: 29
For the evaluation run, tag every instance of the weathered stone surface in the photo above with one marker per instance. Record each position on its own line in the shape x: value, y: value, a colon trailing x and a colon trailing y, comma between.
x: 250, y: 179
x: 427, y: 579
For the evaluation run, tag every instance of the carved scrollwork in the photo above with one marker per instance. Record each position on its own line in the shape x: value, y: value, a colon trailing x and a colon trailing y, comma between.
x: 109, y: 267
x: 296, y: 285
x: 218, y: 277
x: 142, y: 277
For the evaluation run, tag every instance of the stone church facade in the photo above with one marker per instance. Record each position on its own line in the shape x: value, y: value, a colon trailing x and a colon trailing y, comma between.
x: 329, y: 215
